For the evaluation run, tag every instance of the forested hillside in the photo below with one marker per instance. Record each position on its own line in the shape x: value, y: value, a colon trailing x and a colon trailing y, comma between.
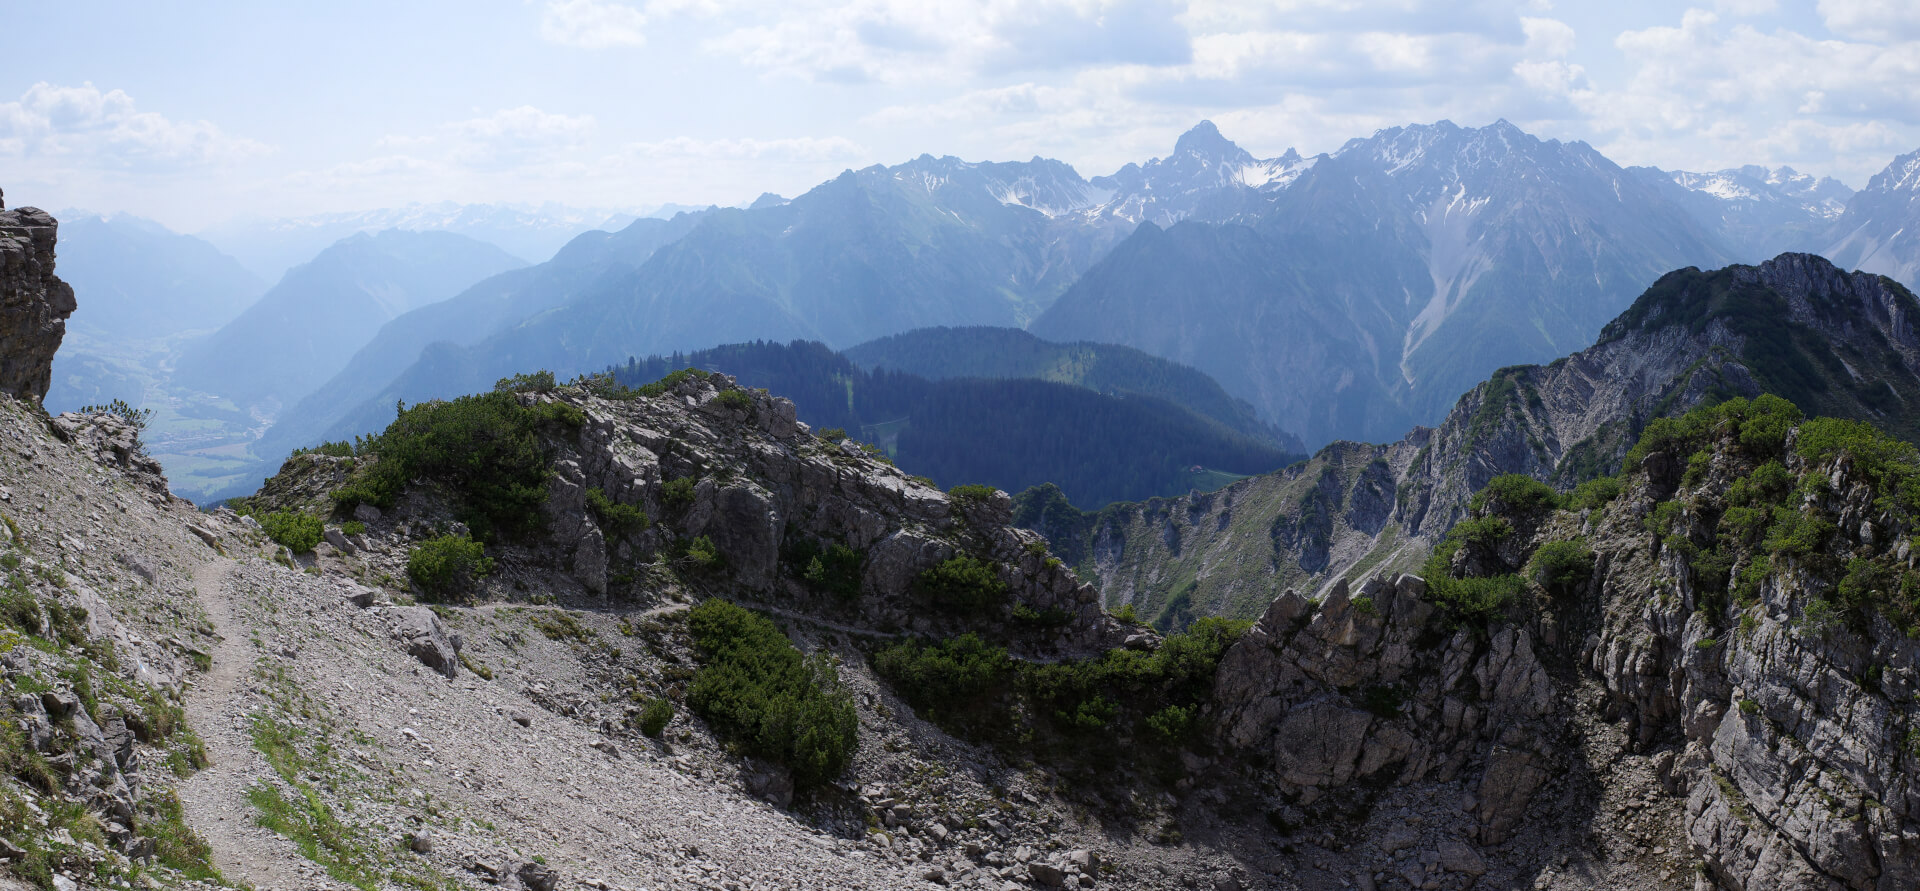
x: 1008, y: 433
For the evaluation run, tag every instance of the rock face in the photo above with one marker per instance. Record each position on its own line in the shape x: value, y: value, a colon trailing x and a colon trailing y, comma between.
x: 1363, y: 690
x: 34, y: 303
x: 1837, y: 343
x: 1761, y: 700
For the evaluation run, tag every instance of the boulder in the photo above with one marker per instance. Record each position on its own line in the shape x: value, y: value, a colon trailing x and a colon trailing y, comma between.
x: 538, y: 876
x: 339, y: 541
x: 426, y: 639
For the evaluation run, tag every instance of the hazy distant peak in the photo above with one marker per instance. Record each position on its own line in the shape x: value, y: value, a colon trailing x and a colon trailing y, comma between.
x: 1204, y: 142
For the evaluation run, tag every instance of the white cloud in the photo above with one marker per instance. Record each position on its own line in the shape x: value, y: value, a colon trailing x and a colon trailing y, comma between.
x: 516, y: 135
x: 804, y: 148
x: 932, y: 41
x: 592, y: 24
x: 1881, y: 21
x: 83, y: 126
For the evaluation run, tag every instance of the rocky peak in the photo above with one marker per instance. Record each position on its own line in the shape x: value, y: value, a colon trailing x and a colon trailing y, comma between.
x: 1206, y: 144
x: 34, y: 303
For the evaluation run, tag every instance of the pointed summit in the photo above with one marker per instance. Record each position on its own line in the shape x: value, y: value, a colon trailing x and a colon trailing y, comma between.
x: 1205, y: 141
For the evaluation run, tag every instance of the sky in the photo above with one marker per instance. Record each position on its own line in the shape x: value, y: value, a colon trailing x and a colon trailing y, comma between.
x: 194, y: 114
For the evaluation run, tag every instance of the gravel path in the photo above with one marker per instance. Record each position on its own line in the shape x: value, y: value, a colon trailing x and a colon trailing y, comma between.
x: 215, y: 798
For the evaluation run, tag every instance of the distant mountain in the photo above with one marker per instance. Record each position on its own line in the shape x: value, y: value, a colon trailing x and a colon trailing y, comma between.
x: 532, y: 233
x: 1880, y: 231
x: 141, y: 280
x: 1756, y: 212
x: 943, y: 353
x: 1008, y: 433
x: 359, y: 398
x: 1387, y: 277
x: 935, y: 241
x: 307, y: 327
x: 1207, y: 178
x: 1836, y: 343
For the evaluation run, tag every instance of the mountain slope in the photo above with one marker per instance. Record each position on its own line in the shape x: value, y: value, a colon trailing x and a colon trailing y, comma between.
x: 306, y: 328
x: 466, y: 318
x: 1422, y: 257
x: 1880, y: 231
x: 1007, y: 433
x: 940, y: 353
x: 143, y: 281
x: 1842, y: 344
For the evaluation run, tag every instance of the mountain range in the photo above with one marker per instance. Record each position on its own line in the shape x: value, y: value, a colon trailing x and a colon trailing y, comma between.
x: 1348, y: 295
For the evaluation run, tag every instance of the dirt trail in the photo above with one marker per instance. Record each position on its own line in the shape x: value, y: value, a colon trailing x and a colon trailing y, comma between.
x: 215, y: 799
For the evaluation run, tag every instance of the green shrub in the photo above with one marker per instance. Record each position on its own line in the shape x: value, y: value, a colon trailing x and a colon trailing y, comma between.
x: 1515, y: 493
x: 616, y: 518
x: 1560, y: 565
x: 702, y: 553
x: 833, y: 434
x: 757, y: 689
x: 970, y: 493
x: 535, y: 382
x: 1172, y: 724
x: 1797, y: 534
x: 445, y: 568
x: 1594, y: 494
x: 738, y: 400
x: 660, y: 387
x: 948, y: 675
x: 485, y: 449
x: 677, y: 494
x: 353, y: 527
x: 975, y: 689
x: 1364, y: 605
x: 963, y: 583
x: 1485, y: 532
x: 20, y: 610
x: 336, y: 449
x: 1126, y: 613
x: 655, y: 717
x: 1819, y: 618
x: 838, y: 570
x: 1475, y: 600
x: 300, y: 532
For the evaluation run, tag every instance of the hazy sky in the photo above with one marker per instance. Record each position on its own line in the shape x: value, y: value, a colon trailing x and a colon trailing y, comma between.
x: 192, y: 113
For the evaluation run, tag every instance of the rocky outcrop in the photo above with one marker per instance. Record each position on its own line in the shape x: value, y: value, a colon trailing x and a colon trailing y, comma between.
x: 1368, y: 686
x: 1837, y: 343
x: 732, y: 474
x: 34, y: 303
x: 1792, y: 736
x: 112, y: 441
x: 1760, y: 697
x: 758, y: 484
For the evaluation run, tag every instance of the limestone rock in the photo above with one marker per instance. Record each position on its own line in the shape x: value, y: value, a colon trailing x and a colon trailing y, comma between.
x: 34, y: 303
x: 426, y: 639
